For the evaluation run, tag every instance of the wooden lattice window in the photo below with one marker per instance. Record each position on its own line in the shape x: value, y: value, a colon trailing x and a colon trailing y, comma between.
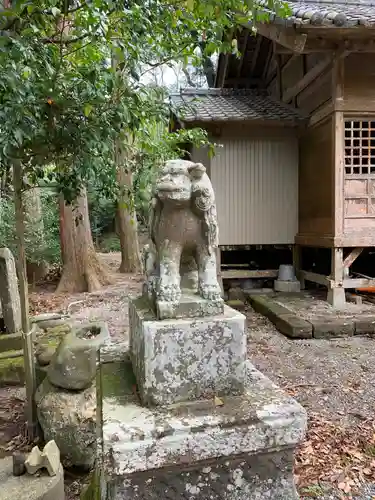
x: 359, y: 168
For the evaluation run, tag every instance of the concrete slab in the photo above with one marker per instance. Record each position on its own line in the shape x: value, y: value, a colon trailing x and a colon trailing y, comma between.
x: 27, y: 487
x: 326, y: 328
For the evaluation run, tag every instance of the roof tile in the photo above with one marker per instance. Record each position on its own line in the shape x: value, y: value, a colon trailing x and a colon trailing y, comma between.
x: 230, y: 105
x: 344, y: 13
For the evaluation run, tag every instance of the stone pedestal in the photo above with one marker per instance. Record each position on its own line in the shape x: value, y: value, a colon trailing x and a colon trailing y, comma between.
x: 188, y: 358
x: 287, y: 286
x: 239, y: 450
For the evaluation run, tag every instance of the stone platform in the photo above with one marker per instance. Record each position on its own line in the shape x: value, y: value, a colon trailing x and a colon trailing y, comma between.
x: 239, y: 450
x: 307, y: 315
x: 189, y: 358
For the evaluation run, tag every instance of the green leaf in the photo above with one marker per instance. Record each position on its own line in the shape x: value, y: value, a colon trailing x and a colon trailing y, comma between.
x: 87, y: 109
x: 55, y: 11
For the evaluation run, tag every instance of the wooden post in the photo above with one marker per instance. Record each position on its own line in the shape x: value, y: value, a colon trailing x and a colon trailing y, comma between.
x: 27, y: 334
x: 297, y: 263
x: 336, y: 290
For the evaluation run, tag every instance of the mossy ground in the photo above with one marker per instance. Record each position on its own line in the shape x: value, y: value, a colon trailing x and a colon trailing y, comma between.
x: 12, y: 370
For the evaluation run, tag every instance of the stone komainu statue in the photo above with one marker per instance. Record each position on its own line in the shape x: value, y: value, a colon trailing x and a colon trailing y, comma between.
x: 184, y: 231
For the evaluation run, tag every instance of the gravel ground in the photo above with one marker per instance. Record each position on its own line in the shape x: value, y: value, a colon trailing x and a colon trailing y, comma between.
x: 331, y: 378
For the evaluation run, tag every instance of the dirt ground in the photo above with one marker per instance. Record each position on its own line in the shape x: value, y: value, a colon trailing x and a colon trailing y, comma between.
x: 332, y: 379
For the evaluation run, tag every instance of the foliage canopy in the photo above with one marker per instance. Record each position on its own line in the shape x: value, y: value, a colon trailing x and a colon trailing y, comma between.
x: 62, y: 98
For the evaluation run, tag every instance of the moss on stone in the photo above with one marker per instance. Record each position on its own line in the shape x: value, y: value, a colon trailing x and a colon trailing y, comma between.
x: 143, y: 304
x: 117, y: 380
x: 12, y: 370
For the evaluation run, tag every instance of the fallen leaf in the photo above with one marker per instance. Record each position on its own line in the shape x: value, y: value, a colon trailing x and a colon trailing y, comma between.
x: 218, y: 401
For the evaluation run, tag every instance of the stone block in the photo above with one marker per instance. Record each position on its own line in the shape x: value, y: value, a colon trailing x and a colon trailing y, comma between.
x: 364, y: 326
x: 292, y: 326
x: 325, y: 328
x: 237, y: 304
x: 9, y: 294
x: 287, y: 286
x: 184, y: 359
x: 240, y: 450
x: 38, y: 487
x: 284, y: 320
x: 190, y: 306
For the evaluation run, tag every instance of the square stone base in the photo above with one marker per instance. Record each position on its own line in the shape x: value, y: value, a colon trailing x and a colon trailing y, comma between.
x: 241, y: 450
x: 186, y: 359
x: 287, y: 286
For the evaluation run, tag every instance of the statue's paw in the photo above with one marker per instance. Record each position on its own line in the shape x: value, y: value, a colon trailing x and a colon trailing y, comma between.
x: 210, y: 292
x: 169, y: 293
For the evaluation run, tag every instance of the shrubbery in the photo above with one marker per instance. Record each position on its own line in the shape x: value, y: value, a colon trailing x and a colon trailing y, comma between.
x: 41, y: 245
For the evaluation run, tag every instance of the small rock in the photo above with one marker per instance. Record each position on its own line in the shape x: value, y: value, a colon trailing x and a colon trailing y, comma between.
x: 69, y: 418
x: 48, y: 459
x: 19, y: 467
x: 44, y: 354
x: 236, y: 304
x: 236, y: 294
x: 73, y: 366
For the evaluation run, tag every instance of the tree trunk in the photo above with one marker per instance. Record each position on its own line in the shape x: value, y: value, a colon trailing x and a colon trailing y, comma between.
x: 36, y: 269
x: 127, y: 224
x: 82, y: 269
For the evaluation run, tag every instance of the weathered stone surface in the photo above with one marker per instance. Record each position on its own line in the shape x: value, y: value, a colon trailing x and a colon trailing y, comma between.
x: 95, y: 333
x: 43, y: 487
x: 70, y: 419
x: 196, y: 449
x: 9, y: 295
x: 189, y: 306
x: 180, y: 360
x: 48, y: 459
x: 287, y: 286
x: 364, y: 326
x: 113, y: 351
x: 284, y: 320
x: 326, y: 328
x: 44, y: 354
x: 236, y: 304
x: 183, y: 228
x: 73, y: 366
x: 292, y: 326
x: 249, y: 477
x: 236, y: 293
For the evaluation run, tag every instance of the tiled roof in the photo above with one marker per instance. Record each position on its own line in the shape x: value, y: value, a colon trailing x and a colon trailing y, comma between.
x: 210, y: 105
x: 344, y: 13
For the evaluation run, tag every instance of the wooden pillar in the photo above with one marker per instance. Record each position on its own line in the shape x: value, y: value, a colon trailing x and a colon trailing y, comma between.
x: 297, y: 263
x: 336, y: 290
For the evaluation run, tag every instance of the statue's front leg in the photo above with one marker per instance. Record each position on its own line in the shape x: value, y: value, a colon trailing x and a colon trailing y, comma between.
x: 169, y: 271
x: 209, y: 287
